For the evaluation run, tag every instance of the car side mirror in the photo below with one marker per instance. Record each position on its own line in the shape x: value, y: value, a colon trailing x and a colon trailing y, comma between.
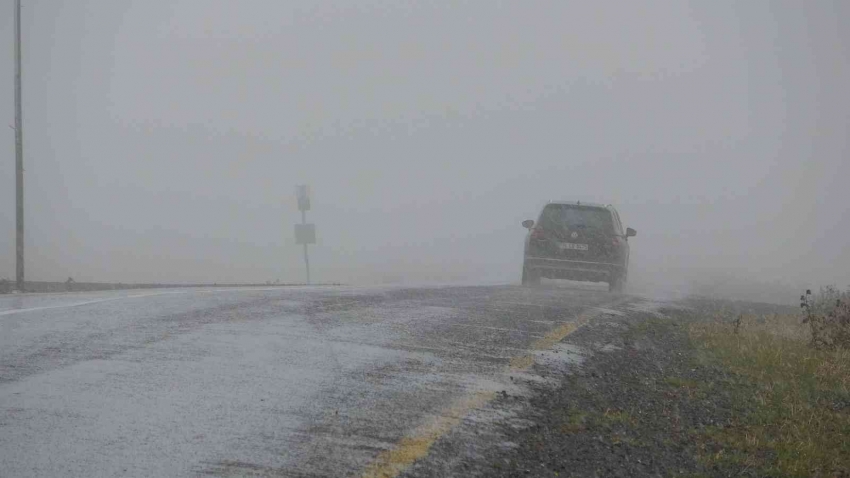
x: 528, y: 224
x: 630, y: 232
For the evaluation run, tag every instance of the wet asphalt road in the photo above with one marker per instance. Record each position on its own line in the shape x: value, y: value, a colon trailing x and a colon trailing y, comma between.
x: 251, y: 382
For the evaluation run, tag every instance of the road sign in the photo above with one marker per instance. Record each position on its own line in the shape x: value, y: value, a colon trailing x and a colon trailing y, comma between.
x: 302, y: 192
x: 305, y: 233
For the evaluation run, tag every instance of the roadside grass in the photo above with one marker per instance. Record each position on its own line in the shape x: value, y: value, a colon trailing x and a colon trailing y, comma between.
x: 793, y: 401
x: 704, y: 391
x: 574, y: 421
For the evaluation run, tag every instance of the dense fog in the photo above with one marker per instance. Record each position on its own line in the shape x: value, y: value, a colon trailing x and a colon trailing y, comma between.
x: 163, y: 140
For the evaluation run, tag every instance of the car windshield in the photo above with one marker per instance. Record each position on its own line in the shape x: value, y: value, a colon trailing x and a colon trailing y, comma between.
x: 567, y: 216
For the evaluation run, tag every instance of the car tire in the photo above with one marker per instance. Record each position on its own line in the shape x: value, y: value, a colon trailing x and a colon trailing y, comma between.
x: 530, y: 277
x: 617, y: 284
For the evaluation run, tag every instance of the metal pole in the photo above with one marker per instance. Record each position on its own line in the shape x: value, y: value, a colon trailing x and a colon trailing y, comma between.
x: 19, y: 155
x: 306, y: 257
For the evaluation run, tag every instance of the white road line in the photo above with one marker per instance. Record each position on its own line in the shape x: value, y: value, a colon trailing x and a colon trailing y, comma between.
x: 87, y: 302
x: 135, y: 296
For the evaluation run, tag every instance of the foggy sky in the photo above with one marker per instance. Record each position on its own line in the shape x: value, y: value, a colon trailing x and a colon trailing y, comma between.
x: 164, y: 139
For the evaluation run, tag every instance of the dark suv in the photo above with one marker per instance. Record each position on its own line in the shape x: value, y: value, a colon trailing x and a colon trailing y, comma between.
x: 577, y: 241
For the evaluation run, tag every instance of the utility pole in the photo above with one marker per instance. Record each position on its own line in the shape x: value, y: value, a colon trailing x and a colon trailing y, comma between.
x: 19, y: 157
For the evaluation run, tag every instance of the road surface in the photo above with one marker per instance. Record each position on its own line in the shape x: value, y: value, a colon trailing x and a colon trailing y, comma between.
x: 261, y: 382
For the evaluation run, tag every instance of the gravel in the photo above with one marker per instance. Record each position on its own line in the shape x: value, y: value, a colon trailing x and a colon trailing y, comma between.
x: 635, y: 406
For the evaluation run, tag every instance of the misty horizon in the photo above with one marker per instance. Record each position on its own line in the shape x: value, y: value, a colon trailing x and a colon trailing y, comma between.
x: 164, y: 144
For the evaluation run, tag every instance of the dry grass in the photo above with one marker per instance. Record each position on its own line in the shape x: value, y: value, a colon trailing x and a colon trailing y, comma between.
x: 828, y: 317
x: 794, y: 399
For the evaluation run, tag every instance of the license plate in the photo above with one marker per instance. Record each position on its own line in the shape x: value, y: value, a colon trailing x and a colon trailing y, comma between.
x: 569, y: 245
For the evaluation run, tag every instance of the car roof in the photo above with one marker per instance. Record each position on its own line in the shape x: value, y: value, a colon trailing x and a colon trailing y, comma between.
x: 581, y: 203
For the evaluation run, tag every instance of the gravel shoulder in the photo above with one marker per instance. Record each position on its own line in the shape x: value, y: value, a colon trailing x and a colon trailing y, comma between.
x: 630, y: 395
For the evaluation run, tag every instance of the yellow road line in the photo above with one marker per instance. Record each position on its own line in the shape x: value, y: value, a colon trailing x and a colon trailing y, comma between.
x: 391, y: 463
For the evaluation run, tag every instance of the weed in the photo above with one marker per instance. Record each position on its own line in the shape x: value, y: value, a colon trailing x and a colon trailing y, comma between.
x: 794, y: 405
x: 828, y: 317
x: 678, y: 382
x: 575, y: 421
x: 619, y: 416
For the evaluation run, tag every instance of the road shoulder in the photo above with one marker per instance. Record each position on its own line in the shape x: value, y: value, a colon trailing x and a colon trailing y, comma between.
x: 625, y: 395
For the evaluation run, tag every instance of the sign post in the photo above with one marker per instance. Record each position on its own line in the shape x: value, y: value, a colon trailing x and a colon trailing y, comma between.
x: 304, y: 233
